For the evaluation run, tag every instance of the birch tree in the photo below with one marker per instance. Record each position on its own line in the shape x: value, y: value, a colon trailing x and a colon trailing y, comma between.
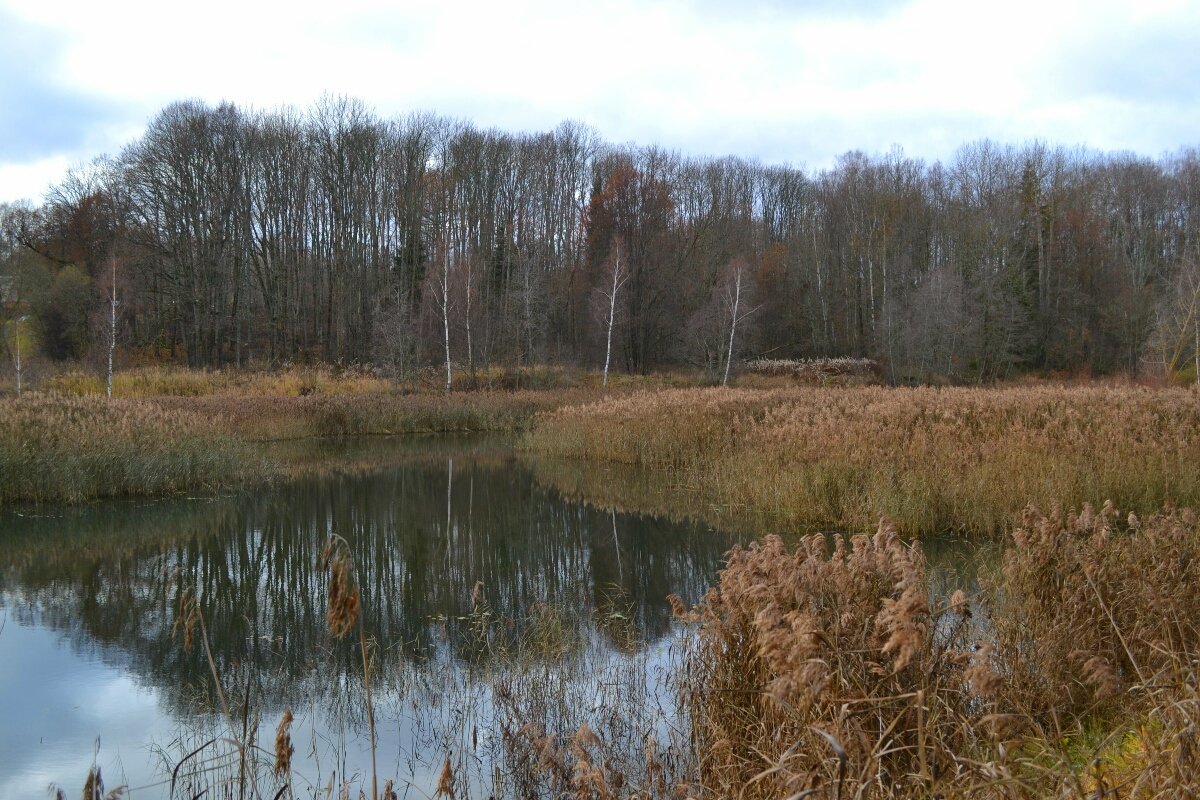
x: 112, y: 326
x: 438, y: 290
x: 19, y: 338
x: 615, y: 275
x: 736, y: 306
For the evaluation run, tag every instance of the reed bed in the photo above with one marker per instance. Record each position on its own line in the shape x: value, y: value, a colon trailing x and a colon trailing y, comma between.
x: 325, y: 380
x: 933, y: 460
x: 66, y: 449
x: 832, y: 669
x: 60, y: 448
x: 183, y: 382
x: 268, y: 418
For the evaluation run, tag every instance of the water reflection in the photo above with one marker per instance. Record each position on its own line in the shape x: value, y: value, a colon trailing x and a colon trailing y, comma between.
x: 425, y: 522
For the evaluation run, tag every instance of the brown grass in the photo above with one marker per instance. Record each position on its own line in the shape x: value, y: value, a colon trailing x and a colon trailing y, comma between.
x: 325, y: 380
x: 277, y: 417
x: 831, y: 671
x: 66, y: 449
x: 182, y: 382
x: 59, y: 448
x: 931, y: 459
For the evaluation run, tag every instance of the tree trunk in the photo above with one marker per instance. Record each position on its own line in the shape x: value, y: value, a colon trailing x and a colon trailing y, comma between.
x: 733, y: 320
x: 446, y: 311
x: 112, y: 329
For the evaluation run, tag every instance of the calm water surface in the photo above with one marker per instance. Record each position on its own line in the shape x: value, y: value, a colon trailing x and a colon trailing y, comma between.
x: 571, y: 619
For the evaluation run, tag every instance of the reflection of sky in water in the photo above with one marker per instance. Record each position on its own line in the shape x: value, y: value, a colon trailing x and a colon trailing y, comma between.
x: 54, y: 702
x: 89, y: 598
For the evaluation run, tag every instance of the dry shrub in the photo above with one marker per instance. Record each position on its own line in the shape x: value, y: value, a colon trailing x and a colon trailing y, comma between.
x: 825, y: 665
x: 1089, y: 606
x: 817, y: 371
x: 824, y: 669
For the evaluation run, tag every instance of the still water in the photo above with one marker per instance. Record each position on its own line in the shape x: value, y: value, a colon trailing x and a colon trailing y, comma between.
x: 488, y: 601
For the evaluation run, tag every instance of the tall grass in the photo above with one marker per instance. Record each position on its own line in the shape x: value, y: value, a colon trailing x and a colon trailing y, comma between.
x: 324, y: 380
x: 66, y: 449
x: 265, y: 417
x: 931, y: 459
x: 182, y: 382
x: 833, y: 671
x: 72, y: 448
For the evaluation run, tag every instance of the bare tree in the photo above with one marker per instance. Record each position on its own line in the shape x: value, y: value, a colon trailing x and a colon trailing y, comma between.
x: 112, y: 327
x: 439, y: 293
x: 19, y: 336
x: 737, y: 312
x: 1177, y: 325
x: 614, y: 277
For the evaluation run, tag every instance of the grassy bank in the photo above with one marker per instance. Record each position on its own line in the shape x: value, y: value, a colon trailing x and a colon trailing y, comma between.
x: 931, y: 459
x: 264, y: 417
x: 323, y: 380
x: 67, y: 449
x: 63, y: 448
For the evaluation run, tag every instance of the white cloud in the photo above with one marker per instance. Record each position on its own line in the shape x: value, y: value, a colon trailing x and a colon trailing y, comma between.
x: 927, y: 74
x: 28, y: 181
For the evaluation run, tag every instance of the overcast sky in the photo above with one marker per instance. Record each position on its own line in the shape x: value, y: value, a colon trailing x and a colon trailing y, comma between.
x: 798, y: 82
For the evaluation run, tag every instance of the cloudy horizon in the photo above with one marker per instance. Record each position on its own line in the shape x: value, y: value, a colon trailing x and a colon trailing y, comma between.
x: 774, y: 81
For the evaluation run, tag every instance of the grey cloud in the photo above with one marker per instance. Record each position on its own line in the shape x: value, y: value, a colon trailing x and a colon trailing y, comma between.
x: 1154, y: 62
x: 38, y: 117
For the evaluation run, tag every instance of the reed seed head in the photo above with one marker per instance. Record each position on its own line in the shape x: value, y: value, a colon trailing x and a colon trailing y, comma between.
x: 283, y: 744
x: 344, y: 603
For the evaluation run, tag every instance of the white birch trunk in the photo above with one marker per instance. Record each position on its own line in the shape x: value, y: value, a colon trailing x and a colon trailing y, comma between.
x: 467, y: 317
x: 733, y: 321
x: 612, y: 315
x: 446, y: 303
x: 446, y: 320
x: 112, y: 329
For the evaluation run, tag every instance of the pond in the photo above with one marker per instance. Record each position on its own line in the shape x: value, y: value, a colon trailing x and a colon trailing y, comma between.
x: 490, y: 603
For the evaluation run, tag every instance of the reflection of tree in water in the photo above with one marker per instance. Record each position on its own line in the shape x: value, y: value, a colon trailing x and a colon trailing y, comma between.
x: 421, y: 534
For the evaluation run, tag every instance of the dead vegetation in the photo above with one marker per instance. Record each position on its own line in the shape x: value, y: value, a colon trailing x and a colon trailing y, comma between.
x: 817, y: 371
x: 829, y: 670
x: 932, y: 460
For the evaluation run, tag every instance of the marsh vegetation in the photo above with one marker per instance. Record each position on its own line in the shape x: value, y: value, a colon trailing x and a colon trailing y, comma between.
x: 932, y: 460
x: 492, y: 617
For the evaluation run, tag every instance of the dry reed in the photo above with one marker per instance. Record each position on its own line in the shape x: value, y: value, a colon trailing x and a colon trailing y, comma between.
x: 56, y: 449
x: 829, y: 670
x: 931, y: 459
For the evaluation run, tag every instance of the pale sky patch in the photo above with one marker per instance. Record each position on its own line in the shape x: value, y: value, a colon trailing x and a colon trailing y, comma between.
x: 796, y: 82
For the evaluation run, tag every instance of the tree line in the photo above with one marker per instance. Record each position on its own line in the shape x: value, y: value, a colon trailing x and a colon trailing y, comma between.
x: 235, y: 236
